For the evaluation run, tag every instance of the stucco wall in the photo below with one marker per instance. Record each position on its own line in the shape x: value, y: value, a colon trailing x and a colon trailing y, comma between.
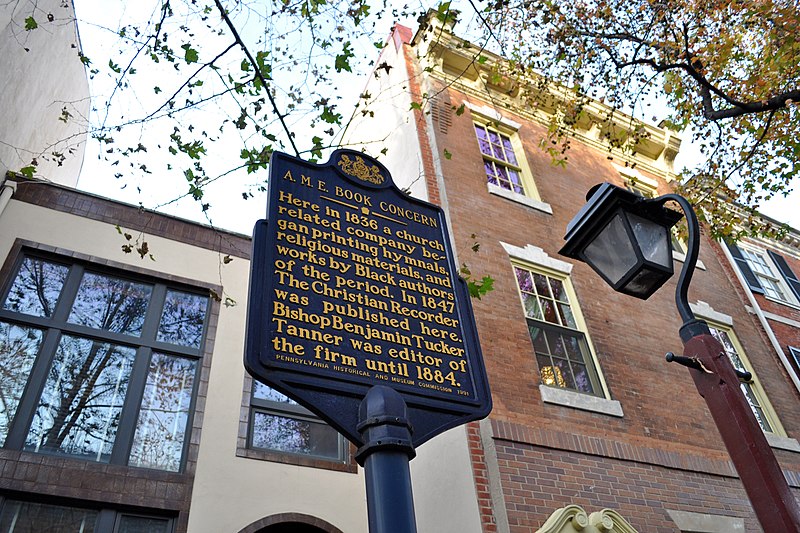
x: 229, y: 492
x: 40, y: 75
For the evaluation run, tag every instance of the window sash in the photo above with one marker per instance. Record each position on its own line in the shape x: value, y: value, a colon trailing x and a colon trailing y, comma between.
x: 67, y: 518
x: 293, y: 412
x: 572, y: 368
x: 503, y: 162
x: 752, y: 393
x: 114, y: 439
x: 566, y: 361
x: 760, y: 266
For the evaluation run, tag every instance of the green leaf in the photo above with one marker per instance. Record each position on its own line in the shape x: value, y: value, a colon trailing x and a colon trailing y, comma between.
x: 477, y: 289
x: 30, y: 24
x: 329, y: 116
x: 113, y: 66
x: 343, y: 60
x: 447, y: 154
x: 190, y: 55
x: 416, y: 105
x: 460, y: 110
x: 28, y: 171
x: 263, y: 66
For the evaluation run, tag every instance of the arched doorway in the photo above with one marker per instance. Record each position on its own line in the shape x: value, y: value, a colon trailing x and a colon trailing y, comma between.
x: 291, y: 523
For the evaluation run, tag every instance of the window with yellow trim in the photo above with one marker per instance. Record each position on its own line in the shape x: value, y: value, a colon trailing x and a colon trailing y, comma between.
x: 562, y: 349
x: 752, y: 390
x: 503, y: 155
x: 499, y: 160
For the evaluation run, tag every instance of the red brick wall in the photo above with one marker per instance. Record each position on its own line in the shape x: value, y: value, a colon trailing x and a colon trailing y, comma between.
x: 663, y: 411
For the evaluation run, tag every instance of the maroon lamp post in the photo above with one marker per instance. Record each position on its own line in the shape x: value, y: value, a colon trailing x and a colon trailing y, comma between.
x: 625, y: 239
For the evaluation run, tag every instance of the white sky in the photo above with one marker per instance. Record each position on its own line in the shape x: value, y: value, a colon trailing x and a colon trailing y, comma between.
x: 228, y: 209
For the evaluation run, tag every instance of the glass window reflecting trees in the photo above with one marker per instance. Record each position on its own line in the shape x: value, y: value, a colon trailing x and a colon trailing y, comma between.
x: 499, y: 160
x: 279, y: 424
x: 98, y: 366
x: 20, y: 516
x: 561, y: 349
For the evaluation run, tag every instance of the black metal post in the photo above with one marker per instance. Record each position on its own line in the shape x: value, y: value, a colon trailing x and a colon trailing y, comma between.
x: 385, y: 455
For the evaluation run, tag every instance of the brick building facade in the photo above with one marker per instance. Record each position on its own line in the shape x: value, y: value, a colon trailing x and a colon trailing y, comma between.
x: 586, y: 410
x: 590, y: 424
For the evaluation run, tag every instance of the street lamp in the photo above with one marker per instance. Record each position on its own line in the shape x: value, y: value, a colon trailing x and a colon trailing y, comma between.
x: 625, y: 239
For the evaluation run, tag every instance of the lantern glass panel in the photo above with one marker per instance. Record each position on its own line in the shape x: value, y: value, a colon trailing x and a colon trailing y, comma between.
x: 653, y: 240
x: 643, y: 282
x: 611, y: 253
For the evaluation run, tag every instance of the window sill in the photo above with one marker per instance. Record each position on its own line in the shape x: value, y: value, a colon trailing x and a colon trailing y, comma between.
x: 783, y: 443
x: 520, y: 199
x: 300, y: 460
x: 678, y: 256
x: 782, y: 302
x: 576, y: 400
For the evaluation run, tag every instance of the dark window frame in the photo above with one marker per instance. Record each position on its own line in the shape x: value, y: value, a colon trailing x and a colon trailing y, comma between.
x: 293, y: 411
x: 108, y: 519
x: 245, y: 450
x: 145, y: 346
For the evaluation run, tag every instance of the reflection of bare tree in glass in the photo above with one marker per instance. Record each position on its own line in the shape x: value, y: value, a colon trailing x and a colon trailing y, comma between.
x: 164, y: 414
x: 28, y: 517
x: 79, y: 409
x: 183, y: 318
x: 36, y: 288
x: 18, y: 349
x: 111, y: 304
x: 279, y: 433
x: 141, y: 524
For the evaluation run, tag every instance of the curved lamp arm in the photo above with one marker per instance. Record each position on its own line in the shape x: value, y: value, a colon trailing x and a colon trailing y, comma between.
x: 682, y: 289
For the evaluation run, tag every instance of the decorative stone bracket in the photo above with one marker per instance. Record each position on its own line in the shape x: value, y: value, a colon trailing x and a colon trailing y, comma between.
x: 573, y: 519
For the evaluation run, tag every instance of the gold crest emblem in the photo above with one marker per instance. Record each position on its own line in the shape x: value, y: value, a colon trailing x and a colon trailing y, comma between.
x: 361, y: 169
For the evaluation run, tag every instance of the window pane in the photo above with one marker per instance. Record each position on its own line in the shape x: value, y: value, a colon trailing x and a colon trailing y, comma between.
x: 264, y: 392
x: 582, y: 381
x: 294, y: 436
x: 112, y: 304
x: 510, y: 157
x: 563, y: 368
x: 516, y: 181
x: 18, y: 348
x: 79, y: 409
x: 183, y: 318
x: 567, y: 318
x: 539, y: 340
x: 549, y: 311
x: 541, y: 285
x: 26, y: 517
x: 524, y: 280
x: 483, y: 142
x: 36, y: 288
x: 164, y: 415
x: 488, y: 167
x: 142, y: 524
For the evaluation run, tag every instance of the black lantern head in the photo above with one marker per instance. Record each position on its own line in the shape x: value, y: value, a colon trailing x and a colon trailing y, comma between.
x: 624, y: 238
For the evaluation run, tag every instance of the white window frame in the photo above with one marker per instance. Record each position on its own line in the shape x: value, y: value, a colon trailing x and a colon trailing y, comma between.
x: 774, y: 276
x: 535, y: 259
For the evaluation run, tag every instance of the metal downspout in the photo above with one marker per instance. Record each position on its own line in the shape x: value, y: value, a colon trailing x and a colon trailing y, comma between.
x: 7, y: 190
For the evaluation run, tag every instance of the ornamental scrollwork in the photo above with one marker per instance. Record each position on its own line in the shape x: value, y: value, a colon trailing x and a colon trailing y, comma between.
x: 360, y: 169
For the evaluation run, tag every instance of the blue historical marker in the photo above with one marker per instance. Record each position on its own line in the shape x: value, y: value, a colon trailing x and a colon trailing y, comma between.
x: 353, y: 285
